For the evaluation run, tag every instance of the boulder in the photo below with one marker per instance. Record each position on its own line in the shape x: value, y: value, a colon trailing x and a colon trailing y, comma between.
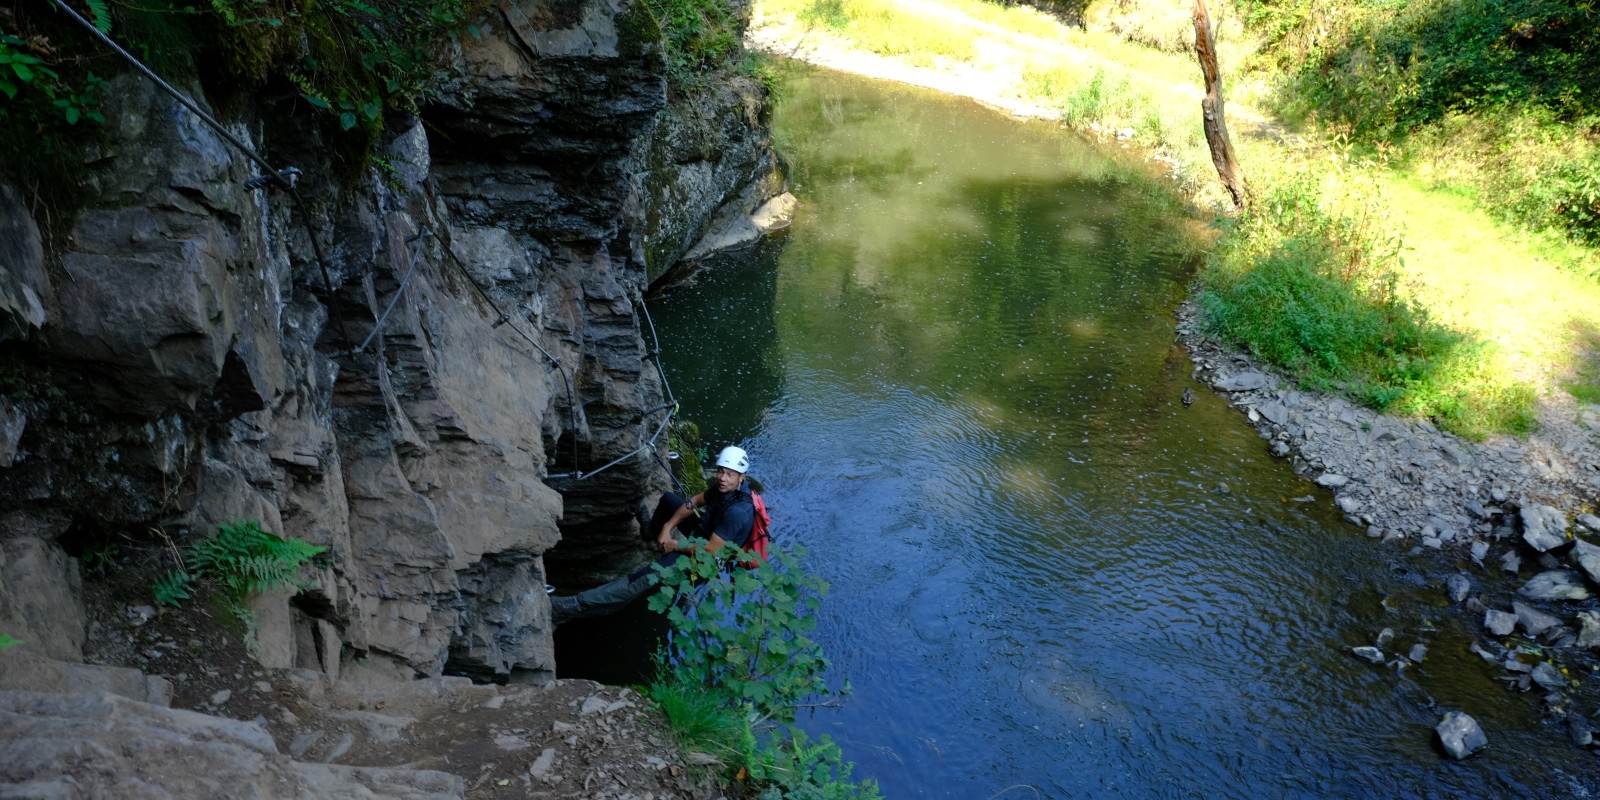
x: 21, y: 670
x: 1589, y: 629
x: 1547, y: 676
x: 102, y: 745
x: 1460, y: 735
x: 1242, y: 382
x: 24, y: 281
x: 1586, y: 557
x: 1368, y: 653
x: 1589, y: 522
x: 1499, y: 622
x: 1543, y: 527
x: 1556, y: 584
x: 1532, y: 619
x: 1332, y: 480
x: 40, y: 595
x: 1459, y: 586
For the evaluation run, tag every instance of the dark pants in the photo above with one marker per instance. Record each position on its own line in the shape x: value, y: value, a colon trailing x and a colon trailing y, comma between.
x: 610, y: 598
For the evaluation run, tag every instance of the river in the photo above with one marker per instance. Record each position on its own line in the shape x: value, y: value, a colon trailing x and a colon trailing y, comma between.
x: 1050, y: 578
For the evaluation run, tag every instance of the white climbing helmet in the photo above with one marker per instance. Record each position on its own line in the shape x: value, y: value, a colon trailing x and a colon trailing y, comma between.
x: 734, y: 458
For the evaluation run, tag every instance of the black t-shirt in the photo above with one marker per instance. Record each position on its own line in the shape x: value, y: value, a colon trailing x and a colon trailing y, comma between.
x: 730, y: 515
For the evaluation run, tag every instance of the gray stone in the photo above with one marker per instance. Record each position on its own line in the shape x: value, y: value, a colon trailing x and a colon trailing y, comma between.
x: 1460, y: 735
x: 1459, y: 586
x: 1510, y: 562
x: 101, y: 745
x: 1385, y: 636
x: 1587, y: 557
x: 1556, y: 584
x: 1543, y: 527
x: 1274, y: 412
x: 24, y: 281
x: 13, y: 422
x: 1499, y: 622
x: 25, y: 671
x: 1368, y: 653
x: 1590, y: 522
x: 1532, y: 619
x: 1349, y: 504
x: 1480, y: 549
x: 1418, y: 652
x: 40, y: 593
x: 1589, y: 629
x: 1242, y: 382
x: 1332, y: 480
x: 540, y: 768
x: 1548, y: 676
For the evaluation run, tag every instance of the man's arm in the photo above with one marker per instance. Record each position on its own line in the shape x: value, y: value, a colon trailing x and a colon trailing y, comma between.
x: 667, y: 540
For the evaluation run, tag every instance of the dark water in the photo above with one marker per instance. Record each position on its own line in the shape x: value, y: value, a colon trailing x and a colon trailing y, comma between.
x: 1049, y: 578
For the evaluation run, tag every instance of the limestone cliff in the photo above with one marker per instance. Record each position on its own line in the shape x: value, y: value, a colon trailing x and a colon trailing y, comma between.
x: 180, y: 358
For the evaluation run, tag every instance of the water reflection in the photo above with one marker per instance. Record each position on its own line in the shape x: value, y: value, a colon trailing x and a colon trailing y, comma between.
x: 1051, y: 579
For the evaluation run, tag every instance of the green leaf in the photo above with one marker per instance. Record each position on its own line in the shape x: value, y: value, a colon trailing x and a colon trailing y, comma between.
x: 22, y: 70
x: 317, y: 101
x: 9, y: 88
x: 73, y: 114
x: 347, y: 120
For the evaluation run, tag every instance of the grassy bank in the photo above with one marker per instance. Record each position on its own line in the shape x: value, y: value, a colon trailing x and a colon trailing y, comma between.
x: 1416, y: 245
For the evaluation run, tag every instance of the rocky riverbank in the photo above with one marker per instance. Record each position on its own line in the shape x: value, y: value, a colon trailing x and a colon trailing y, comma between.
x: 1505, y: 528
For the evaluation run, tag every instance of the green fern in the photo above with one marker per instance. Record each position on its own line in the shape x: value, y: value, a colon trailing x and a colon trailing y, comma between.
x: 172, y: 588
x: 241, y: 559
x: 6, y: 642
x: 102, y: 15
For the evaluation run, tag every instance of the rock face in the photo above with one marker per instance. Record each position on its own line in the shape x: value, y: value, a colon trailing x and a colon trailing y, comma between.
x: 186, y: 359
x: 102, y: 745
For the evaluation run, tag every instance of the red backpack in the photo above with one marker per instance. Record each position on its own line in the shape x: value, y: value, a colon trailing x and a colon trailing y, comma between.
x: 760, y: 532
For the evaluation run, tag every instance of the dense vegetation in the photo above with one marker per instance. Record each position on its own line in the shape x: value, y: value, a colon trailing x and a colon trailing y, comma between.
x: 736, y: 668
x: 1507, y: 90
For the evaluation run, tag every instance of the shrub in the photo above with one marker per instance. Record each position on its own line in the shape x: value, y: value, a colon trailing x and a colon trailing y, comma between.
x: 737, y: 665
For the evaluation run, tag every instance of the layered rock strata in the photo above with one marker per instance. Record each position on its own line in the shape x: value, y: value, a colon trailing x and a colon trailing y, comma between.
x: 426, y: 402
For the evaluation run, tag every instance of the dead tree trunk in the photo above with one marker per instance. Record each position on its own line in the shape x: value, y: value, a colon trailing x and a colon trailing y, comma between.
x: 1205, y: 46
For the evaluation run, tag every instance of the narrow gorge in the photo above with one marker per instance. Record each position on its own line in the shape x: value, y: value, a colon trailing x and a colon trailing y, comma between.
x: 422, y: 390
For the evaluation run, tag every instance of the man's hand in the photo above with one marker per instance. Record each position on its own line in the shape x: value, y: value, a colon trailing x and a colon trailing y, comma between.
x: 667, y: 541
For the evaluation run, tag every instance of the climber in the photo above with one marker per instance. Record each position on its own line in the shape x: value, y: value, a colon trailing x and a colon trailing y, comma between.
x: 721, y: 515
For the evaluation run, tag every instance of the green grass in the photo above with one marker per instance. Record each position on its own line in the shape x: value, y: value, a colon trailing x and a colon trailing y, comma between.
x: 702, y: 722
x: 1313, y: 283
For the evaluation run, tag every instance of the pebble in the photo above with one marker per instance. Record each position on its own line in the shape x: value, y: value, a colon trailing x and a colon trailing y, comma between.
x: 1418, y: 652
x: 221, y: 697
x: 1459, y: 587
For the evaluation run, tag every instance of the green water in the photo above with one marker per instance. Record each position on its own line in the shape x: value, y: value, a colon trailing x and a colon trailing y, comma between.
x: 957, y: 378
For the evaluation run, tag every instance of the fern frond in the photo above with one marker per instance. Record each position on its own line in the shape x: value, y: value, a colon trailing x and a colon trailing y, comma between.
x: 101, y: 12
